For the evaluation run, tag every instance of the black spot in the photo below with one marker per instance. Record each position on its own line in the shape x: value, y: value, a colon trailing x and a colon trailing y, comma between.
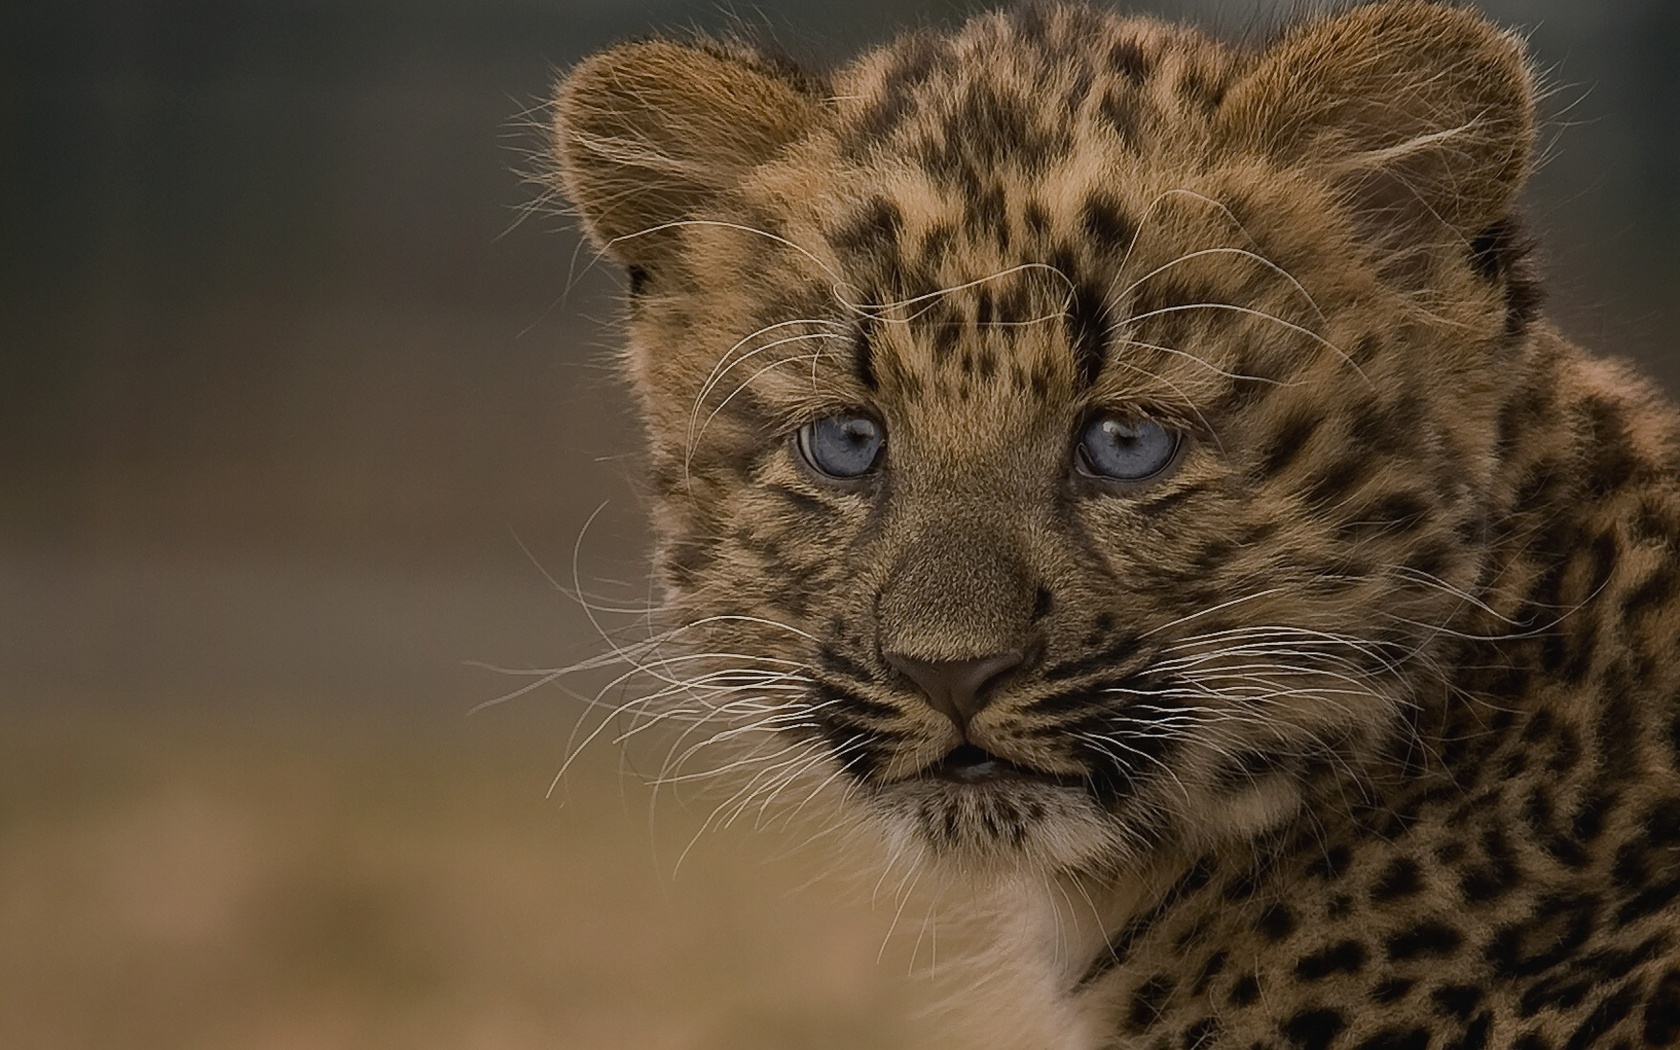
x: 1565, y: 752
x: 1119, y: 109
x: 1016, y: 305
x: 1127, y: 58
x: 1392, y: 990
x: 993, y: 128
x: 1557, y: 927
x: 1200, y: 1033
x: 834, y: 661
x: 1632, y: 869
x: 1043, y: 602
x: 1612, y: 462
x: 1426, y: 939
x: 1212, y: 557
x: 987, y: 213
x: 1456, y: 1000
x: 1402, y: 878
x: 1475, y: 1033
x: 1258, y: 533
x: 800, y: 501
x: 863, y: 359
x: 1499, y: 254
x: 1122, y: 649
x: 1248, y: 384
x: 638, y: 281
x: 1395, y: 513
x: 1431, y: 558
x: 1654, y: 590
x: 1652, y: 899
x: 1276, y: 921
x: 1214, y: 966
x: 918, y: 57
x: 1388, y: 427
x: 1245, y: 990
x: 1199, y: 90
x: 1366, y: 349
x: 941, y: 322
x: 1331, y: 864
x: 853, y: 748
x: 1396, y: 1038
x: 1287, y: 442
x: 1342, y: 957
x: 1106, y: 225
x: 1247, y: 768
x: 1587, y: 824
x: 937, y: 242
x: 687, y: 559
x: 872, y: 232
x: 1329, y: 485
x: 1605, y: 1016
x: 1523, y: 407
x: 1108, y: 778
x: 1314, y: 1029
x: 1662, y: 823
x: 1497, y: 875
x: 1149, y: 1001
x: 1088, y: 324
x: 1662, y: 1011
x: 1617, y: 727
x: 1249, y: 879
x: 1558, y: 992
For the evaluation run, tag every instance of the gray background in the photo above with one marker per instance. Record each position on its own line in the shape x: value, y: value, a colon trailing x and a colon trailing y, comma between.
x: 269, y: 315
x: 295, y: 414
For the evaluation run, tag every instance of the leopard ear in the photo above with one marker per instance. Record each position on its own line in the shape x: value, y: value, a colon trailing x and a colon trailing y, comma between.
x: 647, y: 134
x: 1421, y: 113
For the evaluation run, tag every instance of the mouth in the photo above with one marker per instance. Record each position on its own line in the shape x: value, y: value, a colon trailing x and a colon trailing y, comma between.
x: 968, y: 764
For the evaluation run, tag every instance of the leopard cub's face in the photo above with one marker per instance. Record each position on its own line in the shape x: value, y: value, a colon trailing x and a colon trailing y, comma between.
x: 1066, y: 433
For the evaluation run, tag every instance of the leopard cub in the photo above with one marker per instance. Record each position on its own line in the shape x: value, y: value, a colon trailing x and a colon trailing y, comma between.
x: 1124, y: 468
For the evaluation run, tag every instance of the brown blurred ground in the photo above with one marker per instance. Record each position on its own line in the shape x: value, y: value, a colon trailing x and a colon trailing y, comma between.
x: 286, y: 397
x: 179, y: 883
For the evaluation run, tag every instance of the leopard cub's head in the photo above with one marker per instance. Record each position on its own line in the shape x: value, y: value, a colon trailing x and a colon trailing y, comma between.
x: 1070, y: 434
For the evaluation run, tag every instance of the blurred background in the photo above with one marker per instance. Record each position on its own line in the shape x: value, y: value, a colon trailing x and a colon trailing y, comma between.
x: 296, y: 412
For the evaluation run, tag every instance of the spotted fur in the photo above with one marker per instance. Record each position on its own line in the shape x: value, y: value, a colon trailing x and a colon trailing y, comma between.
x: 1358, y: 730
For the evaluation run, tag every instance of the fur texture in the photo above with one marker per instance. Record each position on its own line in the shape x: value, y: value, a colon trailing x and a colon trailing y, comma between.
x: 1360, y: 725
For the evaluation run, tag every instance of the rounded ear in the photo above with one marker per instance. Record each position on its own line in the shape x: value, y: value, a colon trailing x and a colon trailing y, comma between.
x: 1421, y: 113
x: 646, y: 134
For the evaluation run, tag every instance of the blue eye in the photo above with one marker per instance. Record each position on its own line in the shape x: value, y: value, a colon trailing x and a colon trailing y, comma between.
x: 842, y: 447
x: 1125, y: 449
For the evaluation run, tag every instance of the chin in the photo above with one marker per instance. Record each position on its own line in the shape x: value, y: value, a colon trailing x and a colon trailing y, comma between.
x: 1000, y: 825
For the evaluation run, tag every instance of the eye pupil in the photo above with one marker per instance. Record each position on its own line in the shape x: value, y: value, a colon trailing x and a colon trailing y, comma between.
x: 858, y: 432
x: 1125, y: 449
x: 842, y: 446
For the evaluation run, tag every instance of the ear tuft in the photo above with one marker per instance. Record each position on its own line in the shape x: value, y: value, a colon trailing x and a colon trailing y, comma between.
x: 1422, y: 113
x: 645, y: 134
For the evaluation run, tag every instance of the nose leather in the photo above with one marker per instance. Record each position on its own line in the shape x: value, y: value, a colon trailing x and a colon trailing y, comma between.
x: 956, y: 689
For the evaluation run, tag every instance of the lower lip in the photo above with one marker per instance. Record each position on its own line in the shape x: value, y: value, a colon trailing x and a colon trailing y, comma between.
x: 979, y: 773
x: 982, y: 773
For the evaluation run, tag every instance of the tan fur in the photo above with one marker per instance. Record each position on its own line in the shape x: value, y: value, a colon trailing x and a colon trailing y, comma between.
x: 1365, y: 715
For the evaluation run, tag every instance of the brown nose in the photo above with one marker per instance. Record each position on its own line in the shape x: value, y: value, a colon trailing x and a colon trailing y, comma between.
x: 957, y: 689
